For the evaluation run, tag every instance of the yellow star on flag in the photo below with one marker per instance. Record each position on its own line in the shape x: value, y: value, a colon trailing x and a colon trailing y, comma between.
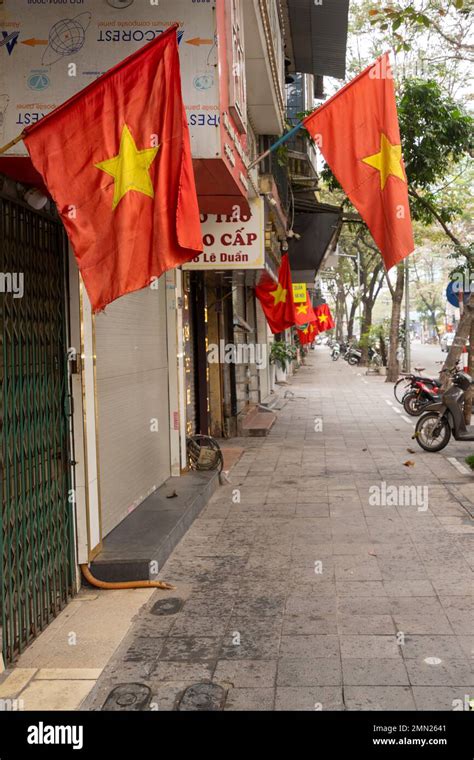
x: 387, y: 161
x: 302, y: 309
x: 323, y: 318
x: 130, y: 168
x: 279, y: 295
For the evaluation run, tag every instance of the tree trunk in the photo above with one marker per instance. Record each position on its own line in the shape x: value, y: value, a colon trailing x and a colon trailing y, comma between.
x: 470, y: 393
x: 366, y: 325
x: 340, y: 312
x: 393, y: 369
x: 460, y: 339
x: 350, y: 321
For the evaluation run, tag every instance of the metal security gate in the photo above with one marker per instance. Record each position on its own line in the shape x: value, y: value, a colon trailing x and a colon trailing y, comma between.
x: 36, y: 526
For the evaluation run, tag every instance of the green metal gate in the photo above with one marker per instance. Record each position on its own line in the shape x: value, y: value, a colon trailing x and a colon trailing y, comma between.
x: 36, y: 525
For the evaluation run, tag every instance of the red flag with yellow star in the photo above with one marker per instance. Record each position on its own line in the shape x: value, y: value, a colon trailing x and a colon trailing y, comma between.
x: 358, y: 134
x: 308, y: 333
x: 116, y: 158
x: 324, y: 318
x: 277, y: 298
x: 304, y: 312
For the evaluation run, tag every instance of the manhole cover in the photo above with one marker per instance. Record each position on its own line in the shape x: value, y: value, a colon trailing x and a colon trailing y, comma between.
x: 203, y: 696
x: 128, y: 697
x: 167, y: 606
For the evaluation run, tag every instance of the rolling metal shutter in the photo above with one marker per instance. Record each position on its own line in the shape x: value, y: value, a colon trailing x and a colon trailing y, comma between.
x: 132, y: 402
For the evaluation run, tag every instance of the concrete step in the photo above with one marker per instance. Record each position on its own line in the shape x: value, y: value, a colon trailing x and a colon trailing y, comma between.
x: 257, y: 423
x: 151, y: 532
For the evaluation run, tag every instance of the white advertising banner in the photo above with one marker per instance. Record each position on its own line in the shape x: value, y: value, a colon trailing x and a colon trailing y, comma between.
x: 51, y: 49
x: 232, y: 243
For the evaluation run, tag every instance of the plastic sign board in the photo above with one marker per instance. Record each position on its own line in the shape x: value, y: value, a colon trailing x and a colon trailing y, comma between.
x: 232, y: 242
x: 299, y: 292
x: 51, y: 49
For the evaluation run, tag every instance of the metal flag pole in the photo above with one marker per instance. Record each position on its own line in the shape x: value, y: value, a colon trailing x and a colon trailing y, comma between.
x: 275, y: 145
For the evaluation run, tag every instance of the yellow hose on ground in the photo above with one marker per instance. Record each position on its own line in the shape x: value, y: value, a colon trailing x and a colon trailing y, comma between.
x: 122, y: 584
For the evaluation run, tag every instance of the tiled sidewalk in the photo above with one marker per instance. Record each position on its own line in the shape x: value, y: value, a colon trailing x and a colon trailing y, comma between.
x: 295, y: 589
x: 296, y: 592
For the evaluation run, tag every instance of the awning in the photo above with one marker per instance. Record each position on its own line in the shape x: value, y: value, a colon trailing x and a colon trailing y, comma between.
x: 318, y: 35
x: 318, y: 231
x: 21, y: 169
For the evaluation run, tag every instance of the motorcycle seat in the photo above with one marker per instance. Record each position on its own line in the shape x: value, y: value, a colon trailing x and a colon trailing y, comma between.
x: 419, y: 369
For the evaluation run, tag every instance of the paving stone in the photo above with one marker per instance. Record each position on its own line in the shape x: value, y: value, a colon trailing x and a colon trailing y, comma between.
x: 416, y: 645
x: 369, y: 646
x: 374, y: 672
x: 442, y: 697
x: 311, y: 646
x: 439, y: 672
x: 320, y: 671
x: 190, y: 648
x: 325, y: 698
x: 379, y: 698
x: 365, y: 624
x: 241, y: 674
x: 419, y: 615
x: 259, y: 699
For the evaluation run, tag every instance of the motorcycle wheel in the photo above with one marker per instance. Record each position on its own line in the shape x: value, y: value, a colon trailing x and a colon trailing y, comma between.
x: 353, y: 360
x: 335, y: 357
x: 432, y: 433
x: 412, y: 405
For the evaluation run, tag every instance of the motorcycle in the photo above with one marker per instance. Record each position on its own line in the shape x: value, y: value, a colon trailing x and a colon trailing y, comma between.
x: 414, y: 392
x: 354, y: 356
x: 445, y: 418
x: 422, y: 394
x: 335, y: 352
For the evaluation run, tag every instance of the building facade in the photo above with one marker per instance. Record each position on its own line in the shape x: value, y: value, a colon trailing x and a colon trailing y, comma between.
x: 96, y: 409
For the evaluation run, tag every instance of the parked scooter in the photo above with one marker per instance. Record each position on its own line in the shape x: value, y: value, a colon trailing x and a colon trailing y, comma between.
x: 415, y: 392
x: 422, y: 394
x: 354, y: 356
x: 443, y: 418
x: 335, y: 351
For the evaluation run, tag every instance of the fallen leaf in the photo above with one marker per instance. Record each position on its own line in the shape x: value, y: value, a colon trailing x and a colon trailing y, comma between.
x: 372, y: 554
x: 411, y: 451
x: 171, y: 495
x: 409, y: 463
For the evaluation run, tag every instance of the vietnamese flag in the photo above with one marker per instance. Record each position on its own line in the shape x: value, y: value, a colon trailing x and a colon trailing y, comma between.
x: 304, y: 312
x: 276, y: 299
x: 308, y: 333
x: 358, y: 134
x: 116, y: 158
x: 324, y: 318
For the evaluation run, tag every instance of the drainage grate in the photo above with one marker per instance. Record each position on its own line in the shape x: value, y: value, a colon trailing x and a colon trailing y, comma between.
x: 203, y: 696
x: 128, y: 697
x: 167, y: 606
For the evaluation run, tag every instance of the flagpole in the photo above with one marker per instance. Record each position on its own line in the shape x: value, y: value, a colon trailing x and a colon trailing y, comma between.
x: 12, y: 143
x: 275, y: 145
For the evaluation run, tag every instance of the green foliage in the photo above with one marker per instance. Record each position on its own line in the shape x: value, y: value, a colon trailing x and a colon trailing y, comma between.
x: 374, y: 336
x: 470, y: 461
x: 436, y: 132
x: 282, y: 353
x: 408, y: 19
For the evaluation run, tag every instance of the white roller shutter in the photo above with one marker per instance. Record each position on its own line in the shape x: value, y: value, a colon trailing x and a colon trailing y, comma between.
x: 132, y: 392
